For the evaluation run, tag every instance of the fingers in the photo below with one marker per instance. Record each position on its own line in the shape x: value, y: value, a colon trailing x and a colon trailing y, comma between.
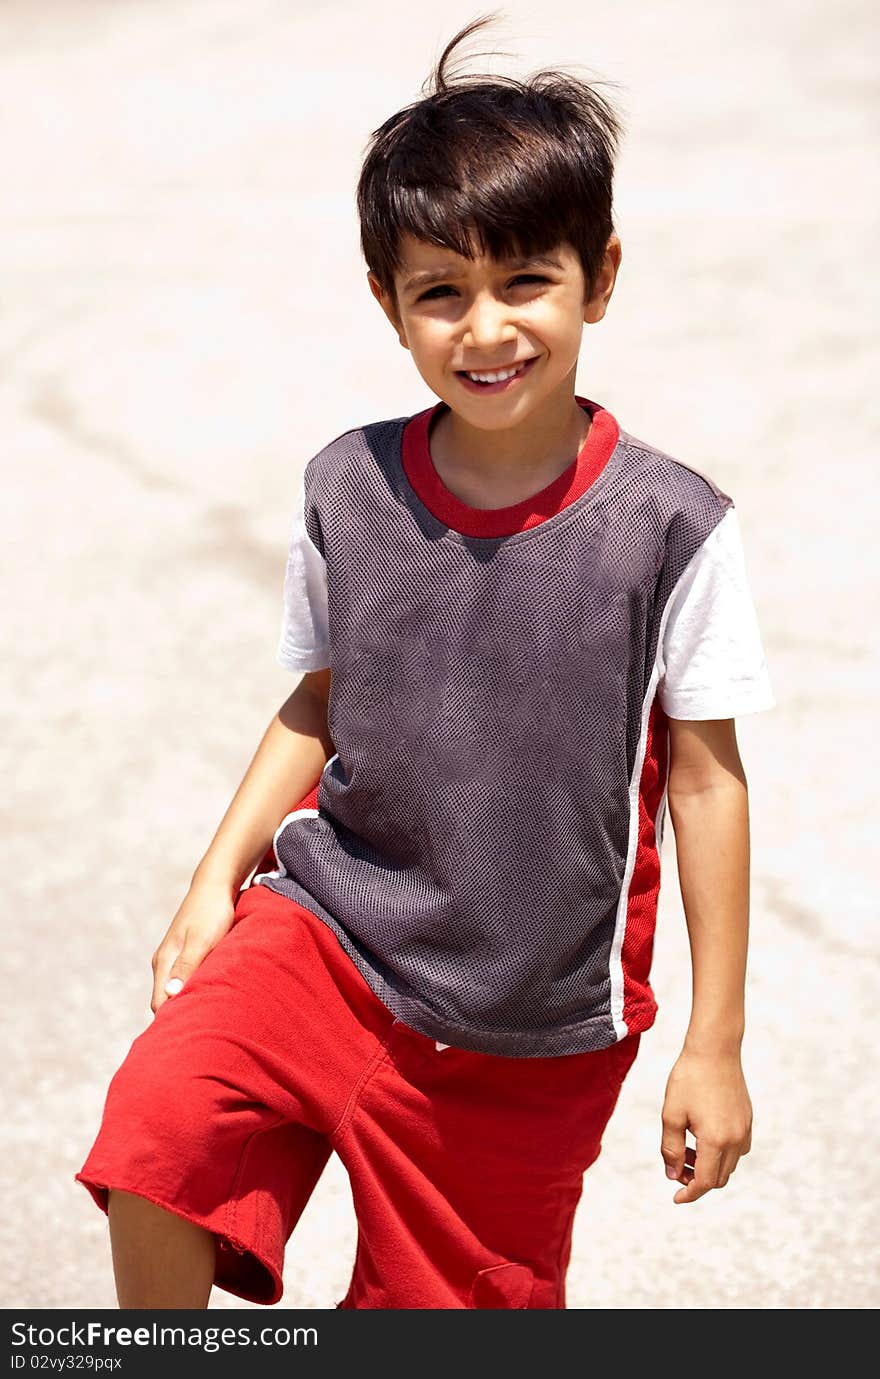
x: 687, y: 1171
x: 707, y: 1174
x: 709, y: 1166
x: 161, y: 963
x: 672, y: 1147
x: 706, y: 1168
x: 171, y: 971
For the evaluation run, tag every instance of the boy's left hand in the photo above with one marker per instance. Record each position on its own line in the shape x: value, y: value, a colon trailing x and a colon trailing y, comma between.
x: 706, y: 1094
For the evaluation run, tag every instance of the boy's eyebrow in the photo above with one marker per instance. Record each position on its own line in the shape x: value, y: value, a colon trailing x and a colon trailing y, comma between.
x: 434, y: 275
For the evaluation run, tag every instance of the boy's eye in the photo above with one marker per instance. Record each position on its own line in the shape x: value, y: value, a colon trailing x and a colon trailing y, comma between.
x: 442, y: 287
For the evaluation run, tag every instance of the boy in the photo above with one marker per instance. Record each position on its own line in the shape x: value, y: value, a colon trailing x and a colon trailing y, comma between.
x: 522, y: 634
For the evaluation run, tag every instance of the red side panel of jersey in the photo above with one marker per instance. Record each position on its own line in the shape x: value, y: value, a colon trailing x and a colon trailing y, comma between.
x: 641, y: 914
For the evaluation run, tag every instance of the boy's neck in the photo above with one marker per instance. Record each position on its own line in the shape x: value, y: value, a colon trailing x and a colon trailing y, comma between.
x: 498, y: 468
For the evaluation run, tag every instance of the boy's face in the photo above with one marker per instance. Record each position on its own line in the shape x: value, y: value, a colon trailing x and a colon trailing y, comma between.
x: 481, y: 315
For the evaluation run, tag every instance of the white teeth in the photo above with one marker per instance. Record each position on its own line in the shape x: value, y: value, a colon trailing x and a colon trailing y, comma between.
x: 496, y: 377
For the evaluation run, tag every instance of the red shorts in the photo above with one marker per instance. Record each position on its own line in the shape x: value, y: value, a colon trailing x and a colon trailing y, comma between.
x: 465, y: 1168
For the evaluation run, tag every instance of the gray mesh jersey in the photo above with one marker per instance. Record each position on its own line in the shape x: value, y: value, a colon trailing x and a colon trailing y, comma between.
x: 485, y: 842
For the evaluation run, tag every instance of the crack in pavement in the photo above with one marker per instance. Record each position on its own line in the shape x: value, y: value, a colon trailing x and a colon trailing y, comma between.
x: 52, y: 405
x: 807, y: 922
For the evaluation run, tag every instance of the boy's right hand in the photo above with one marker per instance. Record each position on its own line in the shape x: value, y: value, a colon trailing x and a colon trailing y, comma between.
x: 207, y: 913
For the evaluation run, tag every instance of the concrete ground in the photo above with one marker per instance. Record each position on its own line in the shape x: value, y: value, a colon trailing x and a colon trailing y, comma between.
x: 185, y: 320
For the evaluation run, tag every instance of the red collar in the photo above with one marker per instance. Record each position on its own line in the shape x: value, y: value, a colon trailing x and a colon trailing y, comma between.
x: 583, y: 471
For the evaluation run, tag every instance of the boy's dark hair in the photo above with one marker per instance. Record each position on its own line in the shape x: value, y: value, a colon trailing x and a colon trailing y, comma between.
x: 489, y: 164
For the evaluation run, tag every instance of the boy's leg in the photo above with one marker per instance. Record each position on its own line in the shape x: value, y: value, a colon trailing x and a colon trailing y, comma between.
x: 222, y: 1112
x: 159, y: 1259
x: 466, y: 1171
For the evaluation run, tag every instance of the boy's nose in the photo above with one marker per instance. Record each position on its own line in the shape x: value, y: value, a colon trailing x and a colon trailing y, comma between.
x: 488, y: 325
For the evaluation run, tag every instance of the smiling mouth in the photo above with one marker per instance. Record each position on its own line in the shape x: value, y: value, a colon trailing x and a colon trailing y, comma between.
x: 494, y: 380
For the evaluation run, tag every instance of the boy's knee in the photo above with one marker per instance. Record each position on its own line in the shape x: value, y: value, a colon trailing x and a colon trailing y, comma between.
x: 167, y: 1094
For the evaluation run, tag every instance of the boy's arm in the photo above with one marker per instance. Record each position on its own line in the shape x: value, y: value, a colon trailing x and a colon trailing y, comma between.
x: 706, y: 1092
x: 289, y: 760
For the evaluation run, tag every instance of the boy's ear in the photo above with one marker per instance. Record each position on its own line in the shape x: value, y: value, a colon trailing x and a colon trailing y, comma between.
x: 597, y: 302
x: 387, y: 306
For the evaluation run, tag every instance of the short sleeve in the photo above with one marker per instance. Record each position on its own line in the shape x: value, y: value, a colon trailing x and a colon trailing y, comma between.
x: 304, y: 643
x: 712, y: 662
